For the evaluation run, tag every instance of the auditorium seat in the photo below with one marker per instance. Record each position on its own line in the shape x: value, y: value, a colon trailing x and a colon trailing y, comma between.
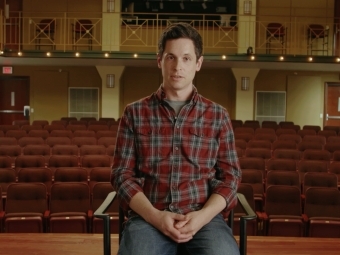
x: 61, y: 133
x: 65, y: 149
x: 304, y: 132
x: 314, y: 179
x: 281, y: 177
x: 240, y: 143
x: 281, y: 131
x: 38, y: 149
x: 28, y: 128
x: 114, y: 126
x: 244, y: 136
x: 336, y: 155
x: 265, y: 137
x: 70, y: 209
x: 313, y: 145
x: 77, y: 123
x: 23, y: 161
x: 68, y: 119
x: 334, y: 128
x: 70, y: 174
x: 6, y: 162
x: 283, y: 211
x: 286, y: 123
x: 17, y: 134
x: 327, y: 133
x: 12, y: 151
x: 2, y: 134
x: 92, y: 150
x: 87, y: 119
x: 58, y: 140
x: 252, y: 229
x: 239, y: 152
x: 91, y: 161
x: 107, y: 119
x: 60, y: 161
x: 20, y: 123
x: 41, y: 123
x: 36, y: 175
x: 51, y: 127
x: 7, y: 176
x: 100, y: 192
x: 84, y: 133
x: 333, y: 139
x: 2, y: 212
x: 283, y: 164
x: 110, y: 150
x: 322, y: 212
x: 80, y: 141
x: 290, y: 137
x: 270, y: 124
x: 312, y: 127
x: 8, y: 141
x: 284, y: 144
x: 44, y: 134
x: 242, y: 129
x: 76, y: 127
x: 305, y: 166
x: 263, y: 130
x: 310, y: 154
x: 253, y: 163
x: 5, y: 128
x: 287, y: 153
x: 59, y: 122
x: 254, y: 124
x: 23, y: 141
x: 98, y: 122
x: 315, y: 138
x: 259, y: 144
x: 26, y: 207
x: 96, y: 128
x: 107, y: 141
x: 236, y: 123
x: 99, y: 174
x: 106, y: 133
x: 255, y: 178
x: 258, y: 153
x: 334, y: 168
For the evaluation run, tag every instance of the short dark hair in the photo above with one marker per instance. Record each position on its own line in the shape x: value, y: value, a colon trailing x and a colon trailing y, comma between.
x: 181, y: 30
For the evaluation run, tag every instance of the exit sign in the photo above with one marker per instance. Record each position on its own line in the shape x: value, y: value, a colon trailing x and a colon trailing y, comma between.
x: 7, y: 70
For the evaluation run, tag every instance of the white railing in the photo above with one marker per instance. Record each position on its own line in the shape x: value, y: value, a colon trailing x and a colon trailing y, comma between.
x: 140, y: 32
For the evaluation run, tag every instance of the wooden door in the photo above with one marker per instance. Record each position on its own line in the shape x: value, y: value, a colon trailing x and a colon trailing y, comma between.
x: 332, y: 104
x: 14, y: 95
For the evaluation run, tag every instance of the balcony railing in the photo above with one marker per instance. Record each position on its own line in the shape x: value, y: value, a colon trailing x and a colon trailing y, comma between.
x: 139, y: 32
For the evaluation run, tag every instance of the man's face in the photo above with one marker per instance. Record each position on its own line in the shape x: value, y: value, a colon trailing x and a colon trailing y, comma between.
x: 179, y: 64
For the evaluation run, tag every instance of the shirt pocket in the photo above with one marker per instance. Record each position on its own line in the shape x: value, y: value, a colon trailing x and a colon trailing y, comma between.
x: 200, y: 146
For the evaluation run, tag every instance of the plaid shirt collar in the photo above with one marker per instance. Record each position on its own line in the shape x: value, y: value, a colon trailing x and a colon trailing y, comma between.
x: 161, y: 95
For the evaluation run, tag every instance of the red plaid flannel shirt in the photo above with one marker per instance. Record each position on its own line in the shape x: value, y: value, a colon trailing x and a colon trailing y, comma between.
x: 181, y: 160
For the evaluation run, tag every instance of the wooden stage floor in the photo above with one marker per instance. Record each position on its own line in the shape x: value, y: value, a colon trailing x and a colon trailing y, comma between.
x: 90, y: 244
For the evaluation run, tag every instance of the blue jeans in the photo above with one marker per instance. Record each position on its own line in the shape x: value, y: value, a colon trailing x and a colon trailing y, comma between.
x: 140, y: 238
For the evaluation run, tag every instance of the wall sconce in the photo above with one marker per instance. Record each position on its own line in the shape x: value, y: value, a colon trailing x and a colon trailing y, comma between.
x: 110, y: 81
x: 247, y: 8
x: 110, y: 5
x: 245, y: 83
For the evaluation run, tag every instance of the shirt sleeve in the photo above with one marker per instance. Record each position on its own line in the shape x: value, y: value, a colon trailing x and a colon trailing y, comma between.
x: 228, y: 172
x: 123, y: 175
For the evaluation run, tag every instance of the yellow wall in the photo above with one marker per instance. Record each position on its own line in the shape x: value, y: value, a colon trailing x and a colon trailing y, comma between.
x: 49, y: 88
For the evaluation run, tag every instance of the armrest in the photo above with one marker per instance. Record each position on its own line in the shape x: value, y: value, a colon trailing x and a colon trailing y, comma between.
x: 250, y: 215
x: 46, y: 214
x: 100, y: 213
x: 305, y: 217
x: 2, y: 214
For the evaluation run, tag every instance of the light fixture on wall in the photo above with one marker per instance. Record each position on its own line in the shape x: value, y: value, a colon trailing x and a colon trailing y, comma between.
x: 245, y: 83
x: 110, y: 81
x: 110, y: 5
x: 247, y: 7
x: 181, y: 4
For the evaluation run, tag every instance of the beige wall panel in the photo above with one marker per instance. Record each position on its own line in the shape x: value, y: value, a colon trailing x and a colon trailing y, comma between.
x: 270, y: 80
x: 49, y: 94
x: 305, y: 100
x: 218, y: 85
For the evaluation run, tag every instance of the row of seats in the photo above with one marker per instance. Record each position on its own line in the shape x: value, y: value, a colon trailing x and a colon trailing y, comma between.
x: 67, y: 209
x: 68, y: 120
x: 254, y: 124
x: 286, y: 214
x: 10, y: 130
x: 55, y: 140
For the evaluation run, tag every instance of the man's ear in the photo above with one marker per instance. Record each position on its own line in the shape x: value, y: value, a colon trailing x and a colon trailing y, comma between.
x: 199, y: 63
x: 159, y: 59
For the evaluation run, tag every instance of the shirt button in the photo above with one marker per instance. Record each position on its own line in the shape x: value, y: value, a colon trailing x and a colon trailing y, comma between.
x: 177, y: 126
x: 176, y: 148
x: 171, y: 207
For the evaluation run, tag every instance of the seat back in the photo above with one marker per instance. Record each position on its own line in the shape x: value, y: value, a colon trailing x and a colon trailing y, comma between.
x: 311, y: 179
x: 70, y: 174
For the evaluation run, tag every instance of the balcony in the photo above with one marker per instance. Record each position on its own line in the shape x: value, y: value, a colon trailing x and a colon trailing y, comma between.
x: 97, y: 34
